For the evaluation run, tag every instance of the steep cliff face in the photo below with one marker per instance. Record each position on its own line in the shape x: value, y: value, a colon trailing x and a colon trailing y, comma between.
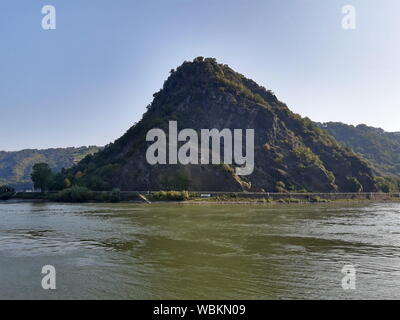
x: 291, y: 153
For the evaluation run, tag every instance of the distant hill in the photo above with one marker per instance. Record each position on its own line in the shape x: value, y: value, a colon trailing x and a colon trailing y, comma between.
x: 16, y: 167
x: 381, y: 148
x: 291, y: 152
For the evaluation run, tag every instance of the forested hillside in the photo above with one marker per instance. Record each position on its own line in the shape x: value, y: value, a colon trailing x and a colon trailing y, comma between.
x: 381, y: 148
x: 16, y: 167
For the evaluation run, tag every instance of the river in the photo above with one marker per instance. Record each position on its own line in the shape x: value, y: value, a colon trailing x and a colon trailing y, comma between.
x: 207, y: 251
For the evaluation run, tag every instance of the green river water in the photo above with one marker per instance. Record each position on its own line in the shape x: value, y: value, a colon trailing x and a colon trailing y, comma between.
x: 172, y: 251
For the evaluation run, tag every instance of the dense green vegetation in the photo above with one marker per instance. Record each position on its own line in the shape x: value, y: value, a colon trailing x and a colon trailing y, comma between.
x: 6, y: 192
x: 16, y: 167
x: 379, y: 147
x: 170, y: 196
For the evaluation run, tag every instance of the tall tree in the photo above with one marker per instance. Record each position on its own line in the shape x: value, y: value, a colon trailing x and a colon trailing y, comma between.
x: 41, y: 176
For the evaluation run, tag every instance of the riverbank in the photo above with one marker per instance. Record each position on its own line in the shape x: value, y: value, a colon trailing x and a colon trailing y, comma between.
x: 216, y: 197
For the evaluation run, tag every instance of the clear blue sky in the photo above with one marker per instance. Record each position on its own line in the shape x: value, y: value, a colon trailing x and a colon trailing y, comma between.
x: 89, y: 80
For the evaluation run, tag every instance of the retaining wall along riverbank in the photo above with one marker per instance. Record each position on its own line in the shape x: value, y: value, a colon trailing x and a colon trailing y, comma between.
x: 134, y: 195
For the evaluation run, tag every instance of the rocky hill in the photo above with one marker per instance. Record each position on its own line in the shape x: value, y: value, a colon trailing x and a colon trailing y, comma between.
x: 291, y: 152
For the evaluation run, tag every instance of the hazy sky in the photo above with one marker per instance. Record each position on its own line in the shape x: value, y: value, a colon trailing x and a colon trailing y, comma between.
x: 89, y: 80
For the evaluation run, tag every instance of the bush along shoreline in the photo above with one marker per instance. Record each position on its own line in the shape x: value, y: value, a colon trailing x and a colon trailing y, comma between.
x: 75, y: 194
x: 6, y: 192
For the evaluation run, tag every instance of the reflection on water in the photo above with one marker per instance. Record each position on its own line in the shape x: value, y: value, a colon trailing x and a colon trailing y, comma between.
x: 128, y: 251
